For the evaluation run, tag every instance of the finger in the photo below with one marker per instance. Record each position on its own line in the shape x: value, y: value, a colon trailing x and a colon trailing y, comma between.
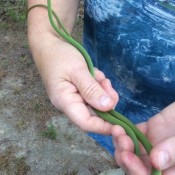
x: 66, y: 98
x: 130, y: 163
x: 99, y: 75
x: 80, y: 115
x: 142, y: 127
x: 121, y: 141
x: 91, y: 110
x: 162, y: 155
x: 64, y: 94
x: 169, y: 171
x: 91, y: 90
x: 106, y: 84
x: 125, y: 143
x: 116, y: 132
x: 161, y: 120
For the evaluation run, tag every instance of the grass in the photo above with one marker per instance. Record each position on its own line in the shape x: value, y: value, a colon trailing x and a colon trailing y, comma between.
x: 21, y: 124
x: 12, y: 165
x: 21, y: 167
x: 25, y: 60
x: 2, y: 74
x: 17, y: 90
x: 3, y: 25
x: 4, y: 63
x: 50, y: 132
x: 14, y: 11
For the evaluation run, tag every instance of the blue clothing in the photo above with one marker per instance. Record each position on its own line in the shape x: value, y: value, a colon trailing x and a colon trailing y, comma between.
x: 133, y: 43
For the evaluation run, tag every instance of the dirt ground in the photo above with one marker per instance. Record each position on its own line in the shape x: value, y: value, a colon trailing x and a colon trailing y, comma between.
x: 35, y: 138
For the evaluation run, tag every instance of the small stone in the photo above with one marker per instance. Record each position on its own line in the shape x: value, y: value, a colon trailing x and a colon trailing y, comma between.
x: 2, y: 132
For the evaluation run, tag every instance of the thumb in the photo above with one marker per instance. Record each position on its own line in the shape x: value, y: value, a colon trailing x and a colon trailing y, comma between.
x: 162, y: 155
x: 91, y: 91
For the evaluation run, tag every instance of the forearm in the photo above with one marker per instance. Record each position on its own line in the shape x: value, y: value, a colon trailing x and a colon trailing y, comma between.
x: 40, y: 32
x: 38, y: 17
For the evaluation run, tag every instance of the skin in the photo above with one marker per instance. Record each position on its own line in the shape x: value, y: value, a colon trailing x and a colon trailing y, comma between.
x: 112, y: 116
x: 64, y: 71
x: 65, y: 74
x: 160, y: 131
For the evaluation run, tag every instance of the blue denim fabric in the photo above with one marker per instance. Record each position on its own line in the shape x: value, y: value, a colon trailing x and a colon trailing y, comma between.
x: 133, y: 43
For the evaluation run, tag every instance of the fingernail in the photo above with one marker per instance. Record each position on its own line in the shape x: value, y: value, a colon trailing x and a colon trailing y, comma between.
x: 105, y: 101
x: 163, y: 158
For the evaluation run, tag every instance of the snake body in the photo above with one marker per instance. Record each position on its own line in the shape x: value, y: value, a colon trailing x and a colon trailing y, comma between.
x: 112, y: 116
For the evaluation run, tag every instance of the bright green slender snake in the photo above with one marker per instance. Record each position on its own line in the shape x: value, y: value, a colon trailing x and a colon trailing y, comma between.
x: 112, y: 116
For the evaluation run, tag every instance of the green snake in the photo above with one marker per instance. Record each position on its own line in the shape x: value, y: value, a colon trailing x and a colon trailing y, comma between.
x: 111, y: 116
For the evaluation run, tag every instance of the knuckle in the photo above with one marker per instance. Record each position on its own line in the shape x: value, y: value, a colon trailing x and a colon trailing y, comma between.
x: 79, y: 68
x: 99, y: 73
x: 102, y: 75
x: 106, y: 128
x: 55, y: 100
x: 82, y: 128
x: 91, y: 90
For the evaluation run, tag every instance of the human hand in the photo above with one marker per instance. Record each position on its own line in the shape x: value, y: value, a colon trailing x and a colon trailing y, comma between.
x: 72, y: 89
x: 160, y: 130
x: 69, y: 84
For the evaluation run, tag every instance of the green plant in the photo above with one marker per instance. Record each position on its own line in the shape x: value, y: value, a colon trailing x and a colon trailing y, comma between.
x: 13, y: 10
x: 50, y: 132
x: 10, y: 164
x: 25, y: 60
x: 21, y: 124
